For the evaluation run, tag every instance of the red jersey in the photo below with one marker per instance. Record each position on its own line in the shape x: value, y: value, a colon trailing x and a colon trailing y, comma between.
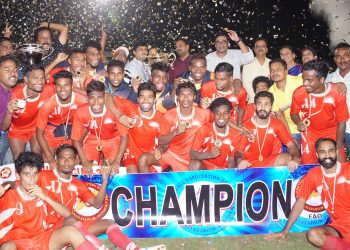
x: 143, y: 137
x: 104, y: 126
x: 328, y: 107
x: 205, y: 138
x: 56, y: 113
x: 317, y: 179
x: 182, y: 143
x: 265, y: 139
x: 21, y: 216
x: 26, y: 118
x: 249, y: 112
x: 67, y: 192
x: 123, y: 105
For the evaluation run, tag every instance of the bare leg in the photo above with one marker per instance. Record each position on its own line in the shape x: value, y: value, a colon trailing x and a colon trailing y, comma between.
x: 317, y: 235
x: 145, y: 160
x: 283, y: 159
x: 64, y: 235
x: 132, y: 169
x: 34, y: 145
x: 17, y: 146
x: 9, y: 245
x: 196, y: 165
x: 100, y: 226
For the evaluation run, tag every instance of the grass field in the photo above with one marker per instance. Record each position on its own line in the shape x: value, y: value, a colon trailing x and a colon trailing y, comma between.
x: 296, y: 241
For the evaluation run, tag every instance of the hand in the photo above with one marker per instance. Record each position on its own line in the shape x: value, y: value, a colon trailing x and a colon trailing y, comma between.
x: 157, y: 154
x: 3, y: 189
x: 52, y: 163
x: 281, y: 235
x: 12, y: 106
x: 301, y: 126
x: 82, y: 77
x: 37, y: 191
x: 205, y: 102
x: 243, y: 164
x: 105, y: 171
x: 135, y: 83
x: 127, y: 121
x: 341, y: 88
x: 233, y: 35
x: 181, y: 128
x: 8, y: 30
x: 177, y: 81
x: 61, y: 57
x: 247, y: 133
x: 87, y: 168
x: 103, y: 28
x: 114, y: 167
x: 292, y: 165
x: 215, y: 151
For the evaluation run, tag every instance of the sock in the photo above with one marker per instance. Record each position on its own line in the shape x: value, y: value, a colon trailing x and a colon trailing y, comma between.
x: 89, y: 236
x: 119, y: 239
x: 86, y: 245
x: 336, y: 243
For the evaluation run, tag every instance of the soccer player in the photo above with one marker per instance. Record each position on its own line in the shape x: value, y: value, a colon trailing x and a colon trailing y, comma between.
x: 23, y: 108
x: 24, y: 214
x: 215, y: 142
x: 324, y: 111
x: 96, y: 132
x: 64, y: 187
x: 54, y: 122
x: 329, y: 180
x: 144, y: 134
x: 225, y: 86
x: 266, y: 128
x: 180, y: 127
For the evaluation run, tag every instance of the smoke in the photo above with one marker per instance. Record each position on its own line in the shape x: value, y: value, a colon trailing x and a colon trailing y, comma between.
x: 337, y: 13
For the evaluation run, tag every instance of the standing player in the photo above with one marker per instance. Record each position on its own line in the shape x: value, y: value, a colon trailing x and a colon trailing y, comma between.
x: 144, y: 134
x: 24, y: 215
x: 329, y: 180
x: 53, y: 126
x: 23, y: 108
x: 215, y: 143
x: 318, y: 101
x: 96, y: 131
x: 223, y: 86
x: 180, y: 127
x: 266, y: 128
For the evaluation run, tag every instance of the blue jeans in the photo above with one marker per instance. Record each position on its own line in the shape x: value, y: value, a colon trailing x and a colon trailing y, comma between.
x: 297, y: 137
x: 4, y: 146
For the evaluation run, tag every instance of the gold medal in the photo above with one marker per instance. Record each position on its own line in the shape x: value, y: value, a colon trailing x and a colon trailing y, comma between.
x: 307, y: 122
x: 218, y: 143
x: 261, y: 158
x: 66, y: 137
x: 206, y: 101
x: 99, y: 148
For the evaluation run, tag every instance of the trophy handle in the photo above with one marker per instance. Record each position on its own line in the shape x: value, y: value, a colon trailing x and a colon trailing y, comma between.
x: 171, y: 59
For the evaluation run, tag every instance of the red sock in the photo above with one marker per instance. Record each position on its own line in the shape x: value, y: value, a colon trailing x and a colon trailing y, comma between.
x: 89, y: 236
x: 119, y: 239
x: 335, y: 243
x: 86, y: 246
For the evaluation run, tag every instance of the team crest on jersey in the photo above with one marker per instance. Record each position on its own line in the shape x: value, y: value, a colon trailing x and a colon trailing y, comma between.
x: 314, y: 202
x: 85, y: 212
x: 5, y: 173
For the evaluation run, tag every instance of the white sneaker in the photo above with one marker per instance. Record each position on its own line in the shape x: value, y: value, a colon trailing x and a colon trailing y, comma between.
x: 157, y: 247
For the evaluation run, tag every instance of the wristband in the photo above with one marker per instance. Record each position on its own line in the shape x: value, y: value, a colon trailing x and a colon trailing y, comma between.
x: 48, y: 25
x: 239, y: 40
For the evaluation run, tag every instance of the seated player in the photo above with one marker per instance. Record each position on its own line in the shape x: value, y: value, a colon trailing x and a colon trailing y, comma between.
x: 144, y: 133
x: 24, y: 214
x: 67, y: 189
x: 96, y: 132
x: 328, y: 180
x: 23, y: 108
x: 266, y: 128
x: 324, y: 110
x: 225, y: 86
x: 215, y: 142
x: 180, y: 126
x: 54, y: 122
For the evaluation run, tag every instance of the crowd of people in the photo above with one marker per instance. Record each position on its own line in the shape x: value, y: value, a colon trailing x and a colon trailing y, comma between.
x: 227, y: 109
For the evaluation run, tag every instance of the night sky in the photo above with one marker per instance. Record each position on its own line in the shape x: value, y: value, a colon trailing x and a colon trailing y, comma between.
x: 159, y: 22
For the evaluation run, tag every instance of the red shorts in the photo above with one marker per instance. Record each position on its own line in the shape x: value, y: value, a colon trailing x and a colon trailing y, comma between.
x: 170, y: 159
x: 53, y: 141
x: 38, y: 242
x: 343, y: 229
x: 130, y: 158
x: 211, y: 166
x: 110, y: 149
x: 268, y: 162
x: 21, y: 134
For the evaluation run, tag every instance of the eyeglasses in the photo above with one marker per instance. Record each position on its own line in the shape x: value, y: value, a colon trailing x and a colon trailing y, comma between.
x: 221, y: 42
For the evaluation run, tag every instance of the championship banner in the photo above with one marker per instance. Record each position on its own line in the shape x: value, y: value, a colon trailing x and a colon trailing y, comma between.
x: 203, y: 203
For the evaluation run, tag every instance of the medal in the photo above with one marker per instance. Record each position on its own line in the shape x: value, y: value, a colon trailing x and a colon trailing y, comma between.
x: 133, y: 121
x: 206, y: 101
x: 66, y: 137
x: 99, y: 148
x: 307, y: 122
x: 21, y: 104
x: 261, y: 158
x: 218, y: 143
x: 187, y: 124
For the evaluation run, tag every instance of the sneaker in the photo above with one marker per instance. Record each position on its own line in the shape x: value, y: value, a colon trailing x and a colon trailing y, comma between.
x: 157, y: 247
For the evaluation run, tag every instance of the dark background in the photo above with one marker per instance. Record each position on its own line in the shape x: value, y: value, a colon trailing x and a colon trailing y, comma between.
x: 159, y: 22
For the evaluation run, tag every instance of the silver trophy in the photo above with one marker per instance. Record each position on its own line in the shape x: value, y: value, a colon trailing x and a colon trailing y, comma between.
x: 30, y: 53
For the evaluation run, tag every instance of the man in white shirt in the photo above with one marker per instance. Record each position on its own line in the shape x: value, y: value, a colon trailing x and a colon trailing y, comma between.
x: 342, y: 74
x: 258, y: 67
x: 233, y: 56
x: 136, y: 66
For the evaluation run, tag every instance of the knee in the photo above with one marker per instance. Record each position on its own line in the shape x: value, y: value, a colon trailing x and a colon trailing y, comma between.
x: 314, y: 237
x: 195, y: 165
x: 71, y: 220
x: 8, y: 246
x: 143, y: 163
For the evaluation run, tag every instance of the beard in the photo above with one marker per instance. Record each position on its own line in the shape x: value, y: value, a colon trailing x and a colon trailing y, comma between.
x: 262, y: 114
x: 329, y: 164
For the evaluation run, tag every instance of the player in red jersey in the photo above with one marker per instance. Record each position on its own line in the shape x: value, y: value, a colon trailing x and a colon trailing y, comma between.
x: 324, y: 111
x: 62, y: 186
x: 23, y: 108
x: 331, y: 181
x: 266, y: 128
x: 180, y: 126
x: 24, y: 216
x: 55, y: 118
x: 144, y: 134
x: 97, y: 132
x: 225, y: 86
x: 215, y: 143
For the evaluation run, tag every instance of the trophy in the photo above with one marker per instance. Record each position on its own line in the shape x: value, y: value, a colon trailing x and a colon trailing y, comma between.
x: 30, y: 53
x: 167, y: 58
